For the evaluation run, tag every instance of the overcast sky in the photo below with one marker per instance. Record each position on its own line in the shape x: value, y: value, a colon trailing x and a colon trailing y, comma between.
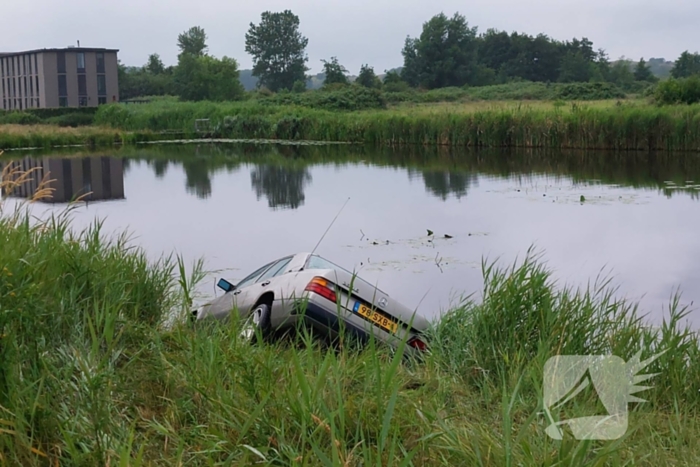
x: 356, y: 31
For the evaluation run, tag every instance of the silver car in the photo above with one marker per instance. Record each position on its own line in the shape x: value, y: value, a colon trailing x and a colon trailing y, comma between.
x: 308, y: 287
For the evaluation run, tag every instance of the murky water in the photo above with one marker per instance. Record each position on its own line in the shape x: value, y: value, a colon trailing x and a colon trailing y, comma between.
x: 636, y: 218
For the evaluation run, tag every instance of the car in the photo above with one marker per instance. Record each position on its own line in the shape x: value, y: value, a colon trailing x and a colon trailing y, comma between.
x: 306, y: 287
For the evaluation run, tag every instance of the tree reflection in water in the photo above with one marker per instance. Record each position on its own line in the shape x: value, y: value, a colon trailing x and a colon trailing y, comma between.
x: 282, y: 186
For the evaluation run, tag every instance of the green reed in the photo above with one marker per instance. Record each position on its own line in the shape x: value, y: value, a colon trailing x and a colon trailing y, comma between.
x: 92, y: 374
x: 622, y: 127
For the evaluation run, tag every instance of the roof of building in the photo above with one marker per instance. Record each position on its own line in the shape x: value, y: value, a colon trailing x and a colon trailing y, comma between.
x: 63, y: 49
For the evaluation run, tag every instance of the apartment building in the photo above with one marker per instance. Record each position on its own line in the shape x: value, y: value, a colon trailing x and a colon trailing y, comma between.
x: 50, y: 78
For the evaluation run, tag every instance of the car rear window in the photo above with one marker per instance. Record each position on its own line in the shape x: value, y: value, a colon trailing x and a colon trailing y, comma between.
x: 316, y: 262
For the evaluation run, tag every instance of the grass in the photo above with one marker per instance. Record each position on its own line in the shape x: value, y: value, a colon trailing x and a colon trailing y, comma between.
x: 628, y: 126
x: 92, y: 375
x: 604, y: 124
x: 46, y: 136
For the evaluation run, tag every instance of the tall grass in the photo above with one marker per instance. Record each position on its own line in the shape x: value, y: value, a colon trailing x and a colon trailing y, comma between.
x: 13, y: 136
x: 623, y: 127
x: 90, y: 375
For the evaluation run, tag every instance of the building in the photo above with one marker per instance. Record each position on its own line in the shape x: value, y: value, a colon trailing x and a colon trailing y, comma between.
x: 94, y: 178
x: 49, y: 78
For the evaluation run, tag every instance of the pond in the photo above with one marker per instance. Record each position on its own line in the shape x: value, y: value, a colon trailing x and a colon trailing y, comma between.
x: 417, y: 222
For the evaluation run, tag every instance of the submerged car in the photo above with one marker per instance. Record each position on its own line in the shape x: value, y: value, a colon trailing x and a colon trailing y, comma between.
x: 307, y: 287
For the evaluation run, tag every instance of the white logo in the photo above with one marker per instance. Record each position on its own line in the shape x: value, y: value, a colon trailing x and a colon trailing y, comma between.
x: 615, y: 382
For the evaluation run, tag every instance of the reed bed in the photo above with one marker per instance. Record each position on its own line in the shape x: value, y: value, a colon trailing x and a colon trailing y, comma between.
x: 576, y: 126
x: 51, y: 136
x: 95, y: 370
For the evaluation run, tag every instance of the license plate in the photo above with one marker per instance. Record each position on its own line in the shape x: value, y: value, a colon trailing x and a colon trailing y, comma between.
x: 381, y: 321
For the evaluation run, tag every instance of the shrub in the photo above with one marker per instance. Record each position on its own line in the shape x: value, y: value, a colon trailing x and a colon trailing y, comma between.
x: 72, y: 120
x: 678, y: 91
x: 19, y: 118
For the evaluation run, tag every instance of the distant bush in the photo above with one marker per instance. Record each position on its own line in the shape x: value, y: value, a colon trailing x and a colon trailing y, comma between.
x: 336, y: 97
x: 524, y: 90
x: 72, y: 120
x: 19, y: 118
x: 589, y: 91
x: 678, y: 91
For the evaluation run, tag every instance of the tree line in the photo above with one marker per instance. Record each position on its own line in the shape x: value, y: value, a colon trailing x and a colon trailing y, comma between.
x: 448, y: 53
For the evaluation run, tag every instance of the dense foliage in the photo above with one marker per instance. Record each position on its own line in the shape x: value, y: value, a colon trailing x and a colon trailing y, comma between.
x: 679, y: 91
x: 449, y: 53
x: 278, y: 50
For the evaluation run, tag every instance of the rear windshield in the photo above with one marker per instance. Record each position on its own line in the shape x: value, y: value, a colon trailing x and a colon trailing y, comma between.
x: 316, y: 262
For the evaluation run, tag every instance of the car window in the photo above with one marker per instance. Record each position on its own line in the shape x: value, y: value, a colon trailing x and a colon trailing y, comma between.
x: 251, y: 278
x: 276, y: 269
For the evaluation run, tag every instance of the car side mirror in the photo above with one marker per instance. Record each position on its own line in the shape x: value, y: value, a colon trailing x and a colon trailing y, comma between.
x: 225, y: 285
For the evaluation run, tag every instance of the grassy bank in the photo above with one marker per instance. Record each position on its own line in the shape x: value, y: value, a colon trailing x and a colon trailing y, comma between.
x: 47, y: 136
x: 607, y: 124
x: 546, y: 125
x: 90, y: 376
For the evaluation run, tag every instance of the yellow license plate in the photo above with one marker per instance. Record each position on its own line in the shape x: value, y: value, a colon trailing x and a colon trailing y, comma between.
x: 381, y: 321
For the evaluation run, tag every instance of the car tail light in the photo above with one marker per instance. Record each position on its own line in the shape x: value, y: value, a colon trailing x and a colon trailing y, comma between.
x: 418, y: 344
x: 323, y: 287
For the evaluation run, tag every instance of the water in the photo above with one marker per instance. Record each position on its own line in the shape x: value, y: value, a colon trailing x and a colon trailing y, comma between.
x: 239, y: 207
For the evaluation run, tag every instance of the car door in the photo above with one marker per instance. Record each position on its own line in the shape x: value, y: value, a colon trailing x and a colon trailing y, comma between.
x: 261, y: 284
x: 222, y: 306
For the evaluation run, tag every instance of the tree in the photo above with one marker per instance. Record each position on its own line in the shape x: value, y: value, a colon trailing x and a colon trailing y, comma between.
x: 394, y: 83
x: 278, y: 50
x: 443, y: 55
x: 193, y: 41
x: 687, y: 65
x: 621, y: 73
x: 335, y: 72
x: 207, y: 78
x: 368, y: 78
x: 642, y: 72
x: 155, y: 65
x: 575, y: 68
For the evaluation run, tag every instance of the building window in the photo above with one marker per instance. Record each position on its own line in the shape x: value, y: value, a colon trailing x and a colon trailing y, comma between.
x: 61, y: 61
x: 25, y: 87
x: 82, y: 85
x: 36, y: 79
x: 102, y: 100
x: 2, y: 67
x: 36, y: 65
x: 62, y: 86
x: 31, y: 87
x: 101, y: 85
x: 100, y: 62
x: 38, y: 102
x: 29, y: 59
x: 81, y: 62
x: 24, y: 64
x: 82, y: 101
x: 63, y: 102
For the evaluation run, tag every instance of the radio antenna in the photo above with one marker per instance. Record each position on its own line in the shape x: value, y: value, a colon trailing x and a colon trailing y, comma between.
x: 329, y: 227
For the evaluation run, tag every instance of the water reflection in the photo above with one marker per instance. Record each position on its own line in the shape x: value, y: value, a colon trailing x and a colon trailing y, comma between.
x: 280, y: 173
x: 282, y: 186
x: 444, y: 184
x: 97, y: 178
x: 639, y: 216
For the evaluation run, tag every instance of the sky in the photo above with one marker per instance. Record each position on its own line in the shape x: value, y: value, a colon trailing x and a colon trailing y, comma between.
x: 355, y: 31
